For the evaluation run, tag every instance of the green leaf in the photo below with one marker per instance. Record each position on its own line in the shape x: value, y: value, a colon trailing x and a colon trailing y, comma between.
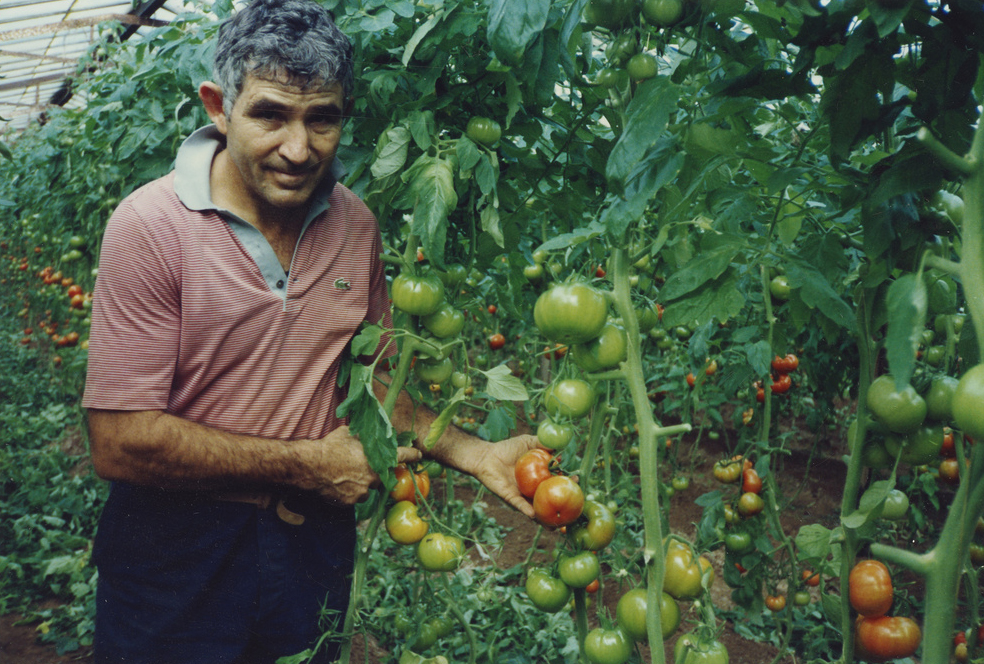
x: 817, y: 293
x: 5, y: 151
x: 419, y: 35
x: 391, y: 152
x: 513, y: 25
x: 503, y: 385
x: 759, y: 355
x: 499, y: 423
x: 489, y: 217
x: 435, y: 198
x: 704, y: 268
x: 441, y: 422
x: 906, y: 301
x: 646, y: 119
x: 719, y: 299
x: 369, y: 423
x: 813, y: 541
x: 565, y: 240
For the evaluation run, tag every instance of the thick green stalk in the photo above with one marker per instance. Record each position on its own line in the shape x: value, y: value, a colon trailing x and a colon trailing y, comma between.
x: 654, y: 554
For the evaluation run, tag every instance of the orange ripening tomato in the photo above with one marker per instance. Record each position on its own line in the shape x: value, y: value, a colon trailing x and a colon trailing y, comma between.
x: 870, y: 588
x: 531, y: 469
x: 750, y: 481
x: 883, y: 638
x: 404, y: 488
x: 558, y: 501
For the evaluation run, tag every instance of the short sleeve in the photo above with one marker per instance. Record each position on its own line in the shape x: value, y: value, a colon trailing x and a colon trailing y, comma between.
x: 136, y: 315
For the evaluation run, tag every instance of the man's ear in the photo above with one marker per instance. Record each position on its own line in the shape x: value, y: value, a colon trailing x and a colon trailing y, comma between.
x: 211, y: 96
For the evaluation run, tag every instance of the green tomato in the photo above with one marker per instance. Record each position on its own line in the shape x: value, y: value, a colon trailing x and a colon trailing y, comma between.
x: 957, y: 320
x: 934, y: 355
x: 579, y: 570
x: 605, y: 351
x: 642, y: 66
x: 570, y: 397
x: 417, y: 295
x: 76, y: 241
x: 454, y: 275
x: 802, y: 598
x: 554, y: 436
x: 622, y: 48
x: 533, y: 272
x: 547, y: 592
x: 680, y: 482
x: 438, y: 552
x: 433, y: 372
x: 484, y: 130
x: 599, y: 529
x: 662, y: 12
x: 460, y: 380
x: 426, y: 637
x: 683, y: 575
x: 941, y: 299
x: 610, y: 77
x: 896, y: 506
x: 630, y: 613
x: 71, y: 256
x: 939, y: 398
x: 445, y: 322
x: 607, y: 646
x: 648, y: 318
x: 779, y: 288
x: 689, y: 650
x: 919, y: 447
x: 967, y: 399
x: 899, y: 411
x: 738, y: 542
x: 571, y: 313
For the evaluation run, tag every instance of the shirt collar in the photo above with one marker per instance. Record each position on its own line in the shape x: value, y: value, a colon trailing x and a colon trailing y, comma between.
x: 193, y: 165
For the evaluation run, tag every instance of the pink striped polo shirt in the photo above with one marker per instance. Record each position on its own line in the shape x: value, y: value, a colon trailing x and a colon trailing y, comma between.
x: 191, y: 316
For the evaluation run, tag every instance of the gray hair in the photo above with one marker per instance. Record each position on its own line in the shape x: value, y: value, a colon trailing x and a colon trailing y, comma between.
x: 293, y: 41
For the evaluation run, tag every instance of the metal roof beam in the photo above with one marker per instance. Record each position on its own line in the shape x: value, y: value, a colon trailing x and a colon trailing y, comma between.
x: 130, y: 20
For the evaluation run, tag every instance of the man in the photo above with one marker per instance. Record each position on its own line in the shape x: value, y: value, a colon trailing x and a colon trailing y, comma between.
x: 227, y: 293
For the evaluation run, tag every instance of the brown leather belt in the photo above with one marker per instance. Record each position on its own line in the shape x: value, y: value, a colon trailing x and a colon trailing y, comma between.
x: 263, y: 500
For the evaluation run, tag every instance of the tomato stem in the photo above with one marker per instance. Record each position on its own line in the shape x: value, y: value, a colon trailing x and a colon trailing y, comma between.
x: 655, y: 562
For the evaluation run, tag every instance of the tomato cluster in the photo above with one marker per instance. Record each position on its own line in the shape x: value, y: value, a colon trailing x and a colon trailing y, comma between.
x: 557, y: 499
x: 879, y: 637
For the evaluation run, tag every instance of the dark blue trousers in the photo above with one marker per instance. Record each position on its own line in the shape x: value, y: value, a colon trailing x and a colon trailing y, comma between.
x: 186, y: 579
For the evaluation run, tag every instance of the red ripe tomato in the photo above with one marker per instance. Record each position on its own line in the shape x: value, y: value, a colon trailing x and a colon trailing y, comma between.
x: 785, y: 365
x: 883, y: 638
x: 531, y: 469
x: 74, y: 290
x: 760, y: 395
x: 870, y: 588
x: 404, y: 488
x: 492, y: 309
x: 949, y: 449
x: 497, y: 341
x: 750, y: 481
x: 781, y: 384
x: 558, y: 501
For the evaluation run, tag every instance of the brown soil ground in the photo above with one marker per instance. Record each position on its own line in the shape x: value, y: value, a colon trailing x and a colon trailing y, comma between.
x: 814, y: 487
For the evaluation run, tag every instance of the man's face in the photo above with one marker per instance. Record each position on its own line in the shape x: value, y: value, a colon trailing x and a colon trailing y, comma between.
x: 282, y: 140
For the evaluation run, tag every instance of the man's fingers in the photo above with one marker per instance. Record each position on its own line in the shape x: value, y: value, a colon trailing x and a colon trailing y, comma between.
x: 408, y: 454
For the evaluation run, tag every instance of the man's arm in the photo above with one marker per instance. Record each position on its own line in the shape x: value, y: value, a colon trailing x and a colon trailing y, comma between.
x: 493, y: 464
x: 154, y: 448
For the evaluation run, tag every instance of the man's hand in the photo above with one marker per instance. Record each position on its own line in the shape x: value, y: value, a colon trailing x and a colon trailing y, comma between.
x: 343, y: 474
x: 494, y: 465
